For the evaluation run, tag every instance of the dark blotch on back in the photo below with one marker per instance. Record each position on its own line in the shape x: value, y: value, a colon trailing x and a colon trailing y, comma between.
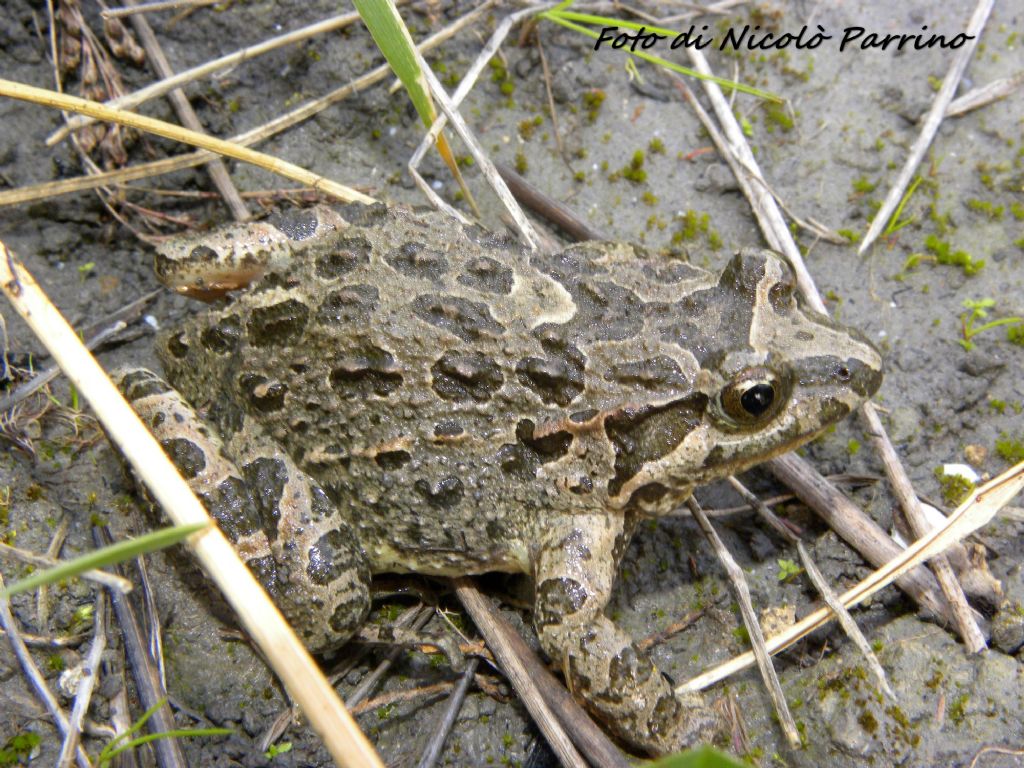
x: 281, y: 323
x: 646, y: 434
x: 558, y: 378
x: 558, y: 598
x: 485, y: 274
x: 523, y: 458
x: 419, y: 261
x: 605, y: 310
x: 462, y: 376
x: 390, y: 460
x: 658, y: 374
x: 186, y: 455
x: 203, y: 254
x: 714, y: 321
x: 231, y: 505
x: 344, y: 256
x: 448, y: 429
x: 351, y: 305
x: 177, y: 346
x: 142, y: 383
x: 469, y: 320
x: 324, y: 556
x: 629, y: 669
x: 296, y: 223
x: 222, y: 337
x: 445, y: 493
x: 270, y: 396
x: 367, y: 372
x: 266, y: 479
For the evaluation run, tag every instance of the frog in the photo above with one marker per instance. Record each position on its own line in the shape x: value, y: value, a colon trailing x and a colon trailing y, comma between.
x: 376, y: 390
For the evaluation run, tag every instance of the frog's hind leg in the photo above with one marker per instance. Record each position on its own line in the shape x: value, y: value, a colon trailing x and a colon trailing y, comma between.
x: 282, y: 524
x: 575, y: 569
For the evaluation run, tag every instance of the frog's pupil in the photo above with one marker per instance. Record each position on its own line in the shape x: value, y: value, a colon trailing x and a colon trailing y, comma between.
x: 758, y: 399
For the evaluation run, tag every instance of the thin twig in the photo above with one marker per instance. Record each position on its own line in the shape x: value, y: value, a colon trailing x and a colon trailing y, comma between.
x: 395, y: 696
x: 514, y: 669
x: 52, y: 553
x: 844, y: 617
x: 855, y: 528
x: 48, y: 98
x: 277, y: 125
x: 86, y: 683
x: 977, y: 510
x: 986, y: 94
x: 901, y: 486
x: 419, y: 619
x: 216, y: 168
x: 931, y: 123
x: 432, y: 750
x: 739, y: 585
x: 132, y: 9
x: 35, y: 677
x: 547, y: 207
x: 61, y: 641
x: 147, y: 682
x: 449, y: 106
x: 159, y: 88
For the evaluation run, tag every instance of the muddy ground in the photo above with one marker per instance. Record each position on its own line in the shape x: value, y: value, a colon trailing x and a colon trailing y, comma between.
x: 830, y: 157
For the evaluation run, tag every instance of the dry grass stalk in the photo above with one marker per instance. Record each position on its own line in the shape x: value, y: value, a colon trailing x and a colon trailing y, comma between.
x: 102, y: 578
x: 977, y: 510
x: 742, y: 591
x: 279, y: 124
x: 176, y: 133
x: 91, y: 671
x: 911, y: 506
x: 818, y: 580
x: 517, y: 673
x: 449, y: 106
x: 159, y: 5
x: 985, y: 95
x: 149, y: 685
x: 217, y: 169
x: 35, y: 677
x: 262, y: 620
x: 931, y: 123
x: 432, y: 750
x: 168, y: 84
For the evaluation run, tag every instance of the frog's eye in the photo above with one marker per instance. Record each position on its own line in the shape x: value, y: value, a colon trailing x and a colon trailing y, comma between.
x: 752, y: 396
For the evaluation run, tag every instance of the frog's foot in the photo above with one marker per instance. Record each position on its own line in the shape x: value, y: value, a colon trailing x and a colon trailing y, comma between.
x: 617, y: 681
x: 282, y: 524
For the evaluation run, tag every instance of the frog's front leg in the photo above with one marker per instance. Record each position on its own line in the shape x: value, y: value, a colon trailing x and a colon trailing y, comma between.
x: 284, y: 527
x: 575, y: 569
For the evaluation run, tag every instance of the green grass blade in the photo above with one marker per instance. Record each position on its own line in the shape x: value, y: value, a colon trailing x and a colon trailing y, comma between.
x: 701, y: 757
x: 392, y: 37
x: 181, y: 733
x: 115, y: 553
x: 568, y: 18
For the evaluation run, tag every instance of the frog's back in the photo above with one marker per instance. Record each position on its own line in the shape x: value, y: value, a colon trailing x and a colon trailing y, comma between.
x: 450, y: 390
